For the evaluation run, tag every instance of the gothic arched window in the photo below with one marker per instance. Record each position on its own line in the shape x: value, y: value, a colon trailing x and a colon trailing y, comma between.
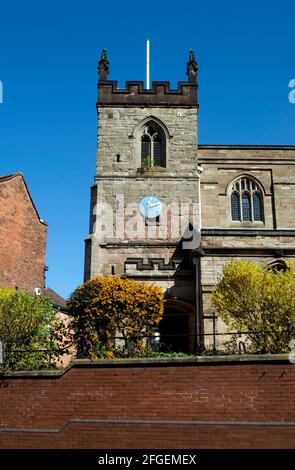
x: 246, y: 201
x: 153, y: 148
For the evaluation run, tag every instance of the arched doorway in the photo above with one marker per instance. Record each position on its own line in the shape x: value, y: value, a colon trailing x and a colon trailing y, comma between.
x: 177, y: 329
x: 277, y: 265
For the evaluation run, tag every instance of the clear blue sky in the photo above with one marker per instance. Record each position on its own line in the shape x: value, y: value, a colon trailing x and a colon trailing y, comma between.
x: 48, y: 59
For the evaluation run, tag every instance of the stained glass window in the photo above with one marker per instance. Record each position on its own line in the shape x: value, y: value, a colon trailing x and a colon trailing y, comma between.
x: 246, y: 201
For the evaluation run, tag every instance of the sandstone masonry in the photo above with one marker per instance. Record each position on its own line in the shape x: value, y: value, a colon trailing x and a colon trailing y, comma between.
x: 243, y: 197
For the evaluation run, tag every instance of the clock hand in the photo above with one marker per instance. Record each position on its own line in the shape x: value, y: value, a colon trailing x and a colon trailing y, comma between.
x: 154, y: 205
x: 150, y: 204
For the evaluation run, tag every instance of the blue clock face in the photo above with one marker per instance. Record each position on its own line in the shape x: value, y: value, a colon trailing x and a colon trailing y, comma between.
x: 150, y: 207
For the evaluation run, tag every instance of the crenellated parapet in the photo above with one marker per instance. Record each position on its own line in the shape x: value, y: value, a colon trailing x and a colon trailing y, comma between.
x: 135, y: 94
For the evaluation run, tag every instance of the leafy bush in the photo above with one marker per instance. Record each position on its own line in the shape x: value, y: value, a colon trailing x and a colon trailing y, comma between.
x: 30, y: 330
x: 259, y: 303
x: 105, y: 307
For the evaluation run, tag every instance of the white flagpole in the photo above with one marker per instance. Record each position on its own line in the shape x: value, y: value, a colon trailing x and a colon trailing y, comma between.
x: 148, y: 64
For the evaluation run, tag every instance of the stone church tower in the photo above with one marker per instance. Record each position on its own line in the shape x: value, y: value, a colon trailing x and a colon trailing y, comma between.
x: 145, y: 200
x: 146, y: 203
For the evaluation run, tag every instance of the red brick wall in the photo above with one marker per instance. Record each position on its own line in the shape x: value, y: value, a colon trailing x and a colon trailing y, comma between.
x: 22, y: 237
x: 192, y: 405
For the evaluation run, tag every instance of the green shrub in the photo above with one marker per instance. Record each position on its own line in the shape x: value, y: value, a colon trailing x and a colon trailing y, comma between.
x: 259, y: 303
x: 30, y: 330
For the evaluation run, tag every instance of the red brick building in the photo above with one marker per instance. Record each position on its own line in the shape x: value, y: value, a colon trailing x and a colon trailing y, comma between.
x: 22, y: 236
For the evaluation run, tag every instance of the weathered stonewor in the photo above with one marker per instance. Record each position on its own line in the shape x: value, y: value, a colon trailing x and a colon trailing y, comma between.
x: 204, y: 176
x: 135, y: 94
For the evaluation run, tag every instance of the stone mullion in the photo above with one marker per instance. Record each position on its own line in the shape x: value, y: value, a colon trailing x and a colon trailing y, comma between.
x: 241, y: 206
x: 251, y: 206
x: 251, y: 201
x: 152, y: 151
x: 240, y: 200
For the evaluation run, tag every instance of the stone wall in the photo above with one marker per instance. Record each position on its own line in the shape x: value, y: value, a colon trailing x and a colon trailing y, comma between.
x: 273, y: 167
x: 118, y: 134
x: 179, y: 197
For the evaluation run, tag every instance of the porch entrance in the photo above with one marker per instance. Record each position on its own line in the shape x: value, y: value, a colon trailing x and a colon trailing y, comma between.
x: 176, y: 330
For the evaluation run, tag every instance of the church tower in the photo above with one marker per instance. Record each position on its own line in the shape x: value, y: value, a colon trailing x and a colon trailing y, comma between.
x: 144, y: 214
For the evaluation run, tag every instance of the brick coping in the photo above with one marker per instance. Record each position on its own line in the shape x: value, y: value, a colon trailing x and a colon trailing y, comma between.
x: 154, y: 362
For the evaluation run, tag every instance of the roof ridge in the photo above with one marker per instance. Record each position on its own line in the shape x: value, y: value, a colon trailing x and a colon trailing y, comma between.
x: 246, y: 146
x: 9, y: 177
x: 14, y: 175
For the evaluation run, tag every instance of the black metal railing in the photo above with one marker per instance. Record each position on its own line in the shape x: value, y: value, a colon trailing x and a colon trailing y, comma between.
x: 217, y: 343
x: 152, y: 344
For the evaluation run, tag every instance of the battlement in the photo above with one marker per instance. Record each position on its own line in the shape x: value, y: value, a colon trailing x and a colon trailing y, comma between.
x: 135, y: 94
